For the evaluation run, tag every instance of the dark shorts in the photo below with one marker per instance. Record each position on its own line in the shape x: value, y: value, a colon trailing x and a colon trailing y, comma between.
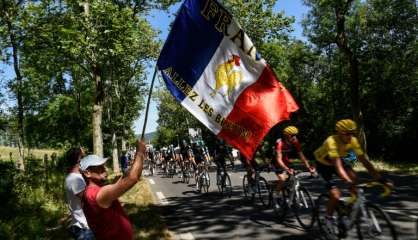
x: 277, y: 169
x: 220, y: 164
x: 327, y: 173
x: 81, y: 233
x: 220, y: 158
x: 252, y: 164
x: 198, y: 159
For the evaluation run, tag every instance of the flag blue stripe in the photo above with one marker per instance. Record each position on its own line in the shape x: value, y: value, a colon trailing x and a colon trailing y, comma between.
x: 190, y: 45
x: 179, y: 95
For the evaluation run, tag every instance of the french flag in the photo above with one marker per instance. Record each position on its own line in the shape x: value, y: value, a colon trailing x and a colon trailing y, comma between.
x: 213, y: 69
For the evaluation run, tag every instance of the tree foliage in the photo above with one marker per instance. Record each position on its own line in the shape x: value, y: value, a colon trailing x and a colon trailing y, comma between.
x: 70, y: 56
x: 75, y: 55
x: 379, y: 36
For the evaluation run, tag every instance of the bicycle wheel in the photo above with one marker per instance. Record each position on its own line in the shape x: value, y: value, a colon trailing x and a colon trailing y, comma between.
x: 219, y: 181
x: 245, y: 186
x: 187, y: 177
x: 375, y: 225
x: 303, y: 207
x: 263, y: 191
x: 248, y: 193
x: 206, y: 182
x: 227, y: 186
x: 150, y: 169
x: 279, y: 202
x: 199, y: 183
x: 327, y: 231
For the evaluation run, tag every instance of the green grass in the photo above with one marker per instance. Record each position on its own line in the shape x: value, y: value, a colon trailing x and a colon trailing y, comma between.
x: 397, y: 168
x: 34, y: 202
x: 33, y: 154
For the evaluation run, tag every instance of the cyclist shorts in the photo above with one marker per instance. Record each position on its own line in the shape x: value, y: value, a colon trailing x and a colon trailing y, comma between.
x: 220, y: 158
x: 198, y: 159
x: 278, y: 170
x: 220, y: 164
x: 252, y: 164
x: 327, y: 173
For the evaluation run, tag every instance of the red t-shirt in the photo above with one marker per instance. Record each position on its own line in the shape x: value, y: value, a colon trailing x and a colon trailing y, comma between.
x: 106, y: 223
x: 287, y: 147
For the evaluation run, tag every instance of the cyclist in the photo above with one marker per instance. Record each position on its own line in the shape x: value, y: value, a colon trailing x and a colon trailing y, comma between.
x: 186, y: 156
x: 185, y: 151
x: 335, y: 157
x: 198, y: 155
x: 249, y: 165
x: 220, y: 155
x: 285, y: 146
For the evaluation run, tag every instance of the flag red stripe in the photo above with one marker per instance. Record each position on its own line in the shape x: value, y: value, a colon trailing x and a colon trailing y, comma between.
x: 258, y: 108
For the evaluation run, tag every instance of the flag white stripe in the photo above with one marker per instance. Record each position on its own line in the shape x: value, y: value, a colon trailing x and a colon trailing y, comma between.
x: 220, y: 102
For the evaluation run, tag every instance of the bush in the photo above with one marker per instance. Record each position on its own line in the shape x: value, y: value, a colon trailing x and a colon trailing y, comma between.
x: 32, y: 200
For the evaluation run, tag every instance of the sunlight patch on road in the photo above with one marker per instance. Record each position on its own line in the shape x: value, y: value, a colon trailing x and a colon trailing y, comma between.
x: 162, y: 198
x: 186, y: 236
x: 401, y: 213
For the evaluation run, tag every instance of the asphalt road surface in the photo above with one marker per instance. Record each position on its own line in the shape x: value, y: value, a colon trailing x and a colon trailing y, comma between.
x: 192, y: 215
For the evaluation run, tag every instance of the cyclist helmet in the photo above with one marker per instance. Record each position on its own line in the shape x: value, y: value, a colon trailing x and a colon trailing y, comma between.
x: 346, y: 125
x: 290, y: 130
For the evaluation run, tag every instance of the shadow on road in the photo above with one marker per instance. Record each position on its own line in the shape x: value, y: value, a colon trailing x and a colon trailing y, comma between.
x: 213, y: 217
x: 209, y: 216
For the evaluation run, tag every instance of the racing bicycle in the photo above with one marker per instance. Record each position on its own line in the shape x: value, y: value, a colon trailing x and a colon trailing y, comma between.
x: 256, y: 186
x: 202, y: 177
x: 295, y: 197
x: 223, y: 180
x: 367, y: 218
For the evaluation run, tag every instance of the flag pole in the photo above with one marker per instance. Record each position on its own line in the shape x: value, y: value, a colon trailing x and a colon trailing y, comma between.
x: 148, y: 102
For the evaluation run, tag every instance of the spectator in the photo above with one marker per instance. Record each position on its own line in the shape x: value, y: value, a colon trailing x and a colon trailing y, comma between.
x: 103, y: 210
x: 74, y: 189
x: 124, y: 162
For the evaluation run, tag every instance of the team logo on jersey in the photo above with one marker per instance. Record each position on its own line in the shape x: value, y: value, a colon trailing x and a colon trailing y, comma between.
x: 228, y: 74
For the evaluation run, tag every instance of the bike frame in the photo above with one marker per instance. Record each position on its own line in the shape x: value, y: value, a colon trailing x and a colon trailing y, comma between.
x: 294, y: 185
x: 359, y: 206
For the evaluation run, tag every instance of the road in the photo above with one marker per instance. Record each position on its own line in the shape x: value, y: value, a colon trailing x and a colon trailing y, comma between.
x: 191, y: 215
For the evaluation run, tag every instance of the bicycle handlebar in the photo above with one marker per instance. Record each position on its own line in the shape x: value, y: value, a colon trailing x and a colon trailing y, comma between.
x: 305, y: 174
x: 387, y: 190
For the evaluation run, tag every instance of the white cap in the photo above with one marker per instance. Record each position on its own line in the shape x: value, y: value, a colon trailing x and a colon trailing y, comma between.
x: 91, y: 160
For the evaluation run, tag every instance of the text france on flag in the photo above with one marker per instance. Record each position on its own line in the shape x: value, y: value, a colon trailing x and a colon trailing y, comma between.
x: 213, y: 69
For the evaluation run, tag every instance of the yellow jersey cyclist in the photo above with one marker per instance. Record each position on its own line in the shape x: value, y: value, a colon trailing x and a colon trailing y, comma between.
x: 284, y: 146
x: 336, y: 157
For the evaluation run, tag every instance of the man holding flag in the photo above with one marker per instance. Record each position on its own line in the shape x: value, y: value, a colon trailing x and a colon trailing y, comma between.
x: 212, y: 68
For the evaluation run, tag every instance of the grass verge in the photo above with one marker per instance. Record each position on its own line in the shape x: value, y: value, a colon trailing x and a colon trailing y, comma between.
x: 398, y: 168
x: 33, y: 153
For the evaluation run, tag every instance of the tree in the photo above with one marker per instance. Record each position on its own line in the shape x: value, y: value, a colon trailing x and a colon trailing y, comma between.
x: 11, y: 37
x: 329, y: 22
x: 259, y: 20
x: 371, y: 43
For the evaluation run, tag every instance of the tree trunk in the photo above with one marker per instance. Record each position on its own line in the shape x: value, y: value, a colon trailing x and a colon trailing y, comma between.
x: 123, y: 144
x: 97, y: 114
x: 341, y: 40
x: 98, y: 98
x: 20, y: 112
x: 77, y: 96
x: 97, y: 130
x: 20, y: 164
x: 116, y: 168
